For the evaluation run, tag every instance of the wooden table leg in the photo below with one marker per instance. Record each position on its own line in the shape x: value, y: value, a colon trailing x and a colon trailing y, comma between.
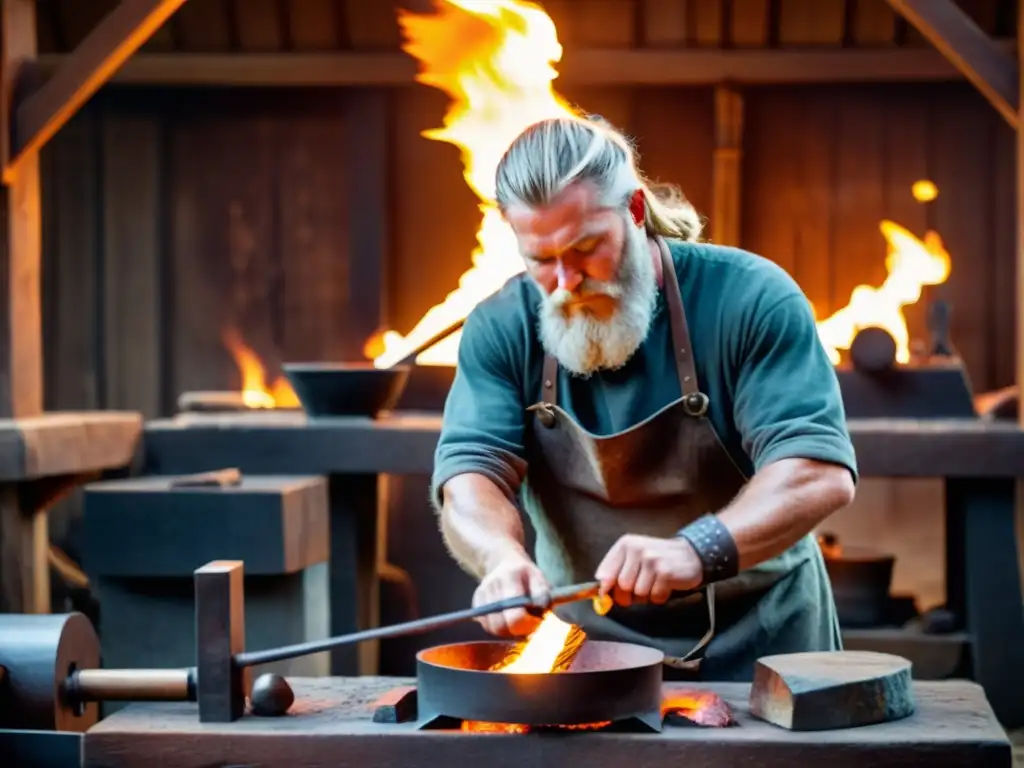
x: 24, y: 555
x: 25, y: 540
x: 356, y: 542
x: 983, y: 587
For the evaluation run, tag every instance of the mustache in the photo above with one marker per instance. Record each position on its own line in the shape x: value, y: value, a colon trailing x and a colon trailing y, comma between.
x: 562, y: 297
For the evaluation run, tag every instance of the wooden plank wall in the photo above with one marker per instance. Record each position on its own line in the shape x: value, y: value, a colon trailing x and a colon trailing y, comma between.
x: 171, y: 215
x: 823, y: 166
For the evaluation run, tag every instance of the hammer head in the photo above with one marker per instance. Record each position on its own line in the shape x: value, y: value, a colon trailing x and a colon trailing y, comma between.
x: 220, y: 635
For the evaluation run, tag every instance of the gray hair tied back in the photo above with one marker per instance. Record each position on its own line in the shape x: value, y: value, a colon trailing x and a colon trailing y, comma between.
x: 552, y: 154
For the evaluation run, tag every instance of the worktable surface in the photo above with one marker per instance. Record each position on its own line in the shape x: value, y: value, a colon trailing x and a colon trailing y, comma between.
x: 403, y: 443
x: 330, y: 723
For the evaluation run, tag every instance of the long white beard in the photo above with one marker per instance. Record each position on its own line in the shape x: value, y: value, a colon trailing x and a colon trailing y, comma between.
x: 584, y: 344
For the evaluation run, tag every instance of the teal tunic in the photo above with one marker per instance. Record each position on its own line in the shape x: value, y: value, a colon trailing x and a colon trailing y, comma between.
x: 773, y: 391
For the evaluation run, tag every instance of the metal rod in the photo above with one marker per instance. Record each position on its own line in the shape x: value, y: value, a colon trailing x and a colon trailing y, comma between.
x: 410, y: 357
x: 533, y: 604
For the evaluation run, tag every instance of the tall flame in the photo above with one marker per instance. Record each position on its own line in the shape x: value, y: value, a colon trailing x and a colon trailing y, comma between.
x: 912, y: 264
x: 495, y: 60
x: 255, y: 392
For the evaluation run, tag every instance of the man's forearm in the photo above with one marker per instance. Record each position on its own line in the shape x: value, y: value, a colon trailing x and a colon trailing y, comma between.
x: 781, y: 504
x: 479, y: 524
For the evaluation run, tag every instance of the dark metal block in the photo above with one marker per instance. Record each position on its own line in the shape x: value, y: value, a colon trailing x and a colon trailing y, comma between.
x: 399, y: 705
x: 220, y: 634
x: 937, y: 390
x: 40, y: 749
x: 145, y: 526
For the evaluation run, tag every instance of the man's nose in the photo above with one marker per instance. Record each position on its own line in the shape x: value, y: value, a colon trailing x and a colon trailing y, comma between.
x: 569, y: 279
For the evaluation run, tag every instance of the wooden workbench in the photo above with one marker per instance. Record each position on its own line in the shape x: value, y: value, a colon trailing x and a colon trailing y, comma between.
x: 331, y: 724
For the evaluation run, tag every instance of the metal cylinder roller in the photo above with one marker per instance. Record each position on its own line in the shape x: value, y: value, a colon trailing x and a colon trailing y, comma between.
x: 38, y: 653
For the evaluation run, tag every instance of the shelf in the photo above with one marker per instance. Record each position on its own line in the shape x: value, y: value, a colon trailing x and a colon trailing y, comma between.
x: 935, y: 657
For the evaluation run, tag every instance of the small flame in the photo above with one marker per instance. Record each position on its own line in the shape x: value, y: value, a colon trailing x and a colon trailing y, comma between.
x: 495, y: 60
x: 924, y: 191
x: 912, y: 264
x: 255, y: 393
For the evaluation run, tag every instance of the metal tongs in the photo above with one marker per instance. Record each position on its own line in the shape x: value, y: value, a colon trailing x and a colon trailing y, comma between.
x: 536, y: 605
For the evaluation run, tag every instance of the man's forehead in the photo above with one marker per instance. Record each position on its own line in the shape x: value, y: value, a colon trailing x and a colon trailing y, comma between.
x: 572, y: 215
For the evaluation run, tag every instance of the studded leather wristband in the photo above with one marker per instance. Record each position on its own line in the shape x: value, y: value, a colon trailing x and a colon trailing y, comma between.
x: 715, y: 547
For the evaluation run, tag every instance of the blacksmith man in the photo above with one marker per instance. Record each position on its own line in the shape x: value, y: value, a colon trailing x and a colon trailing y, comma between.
x: 661, y: 408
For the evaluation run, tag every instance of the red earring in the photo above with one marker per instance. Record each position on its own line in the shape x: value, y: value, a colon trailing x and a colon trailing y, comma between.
x: 637, y: 207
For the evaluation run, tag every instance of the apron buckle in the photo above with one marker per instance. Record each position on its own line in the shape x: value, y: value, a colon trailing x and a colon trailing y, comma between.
x: 545, y: 414
x: 696, y: 404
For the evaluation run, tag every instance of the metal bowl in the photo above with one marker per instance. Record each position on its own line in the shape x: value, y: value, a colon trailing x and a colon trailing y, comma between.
x: 607, y: 682
x: 346, y: 389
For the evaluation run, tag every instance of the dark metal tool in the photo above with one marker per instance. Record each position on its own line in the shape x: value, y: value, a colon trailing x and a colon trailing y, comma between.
x: 410, y: 357
x: 536, y: 605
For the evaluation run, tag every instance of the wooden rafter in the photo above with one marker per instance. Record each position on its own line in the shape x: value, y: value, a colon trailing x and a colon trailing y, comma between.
x: 122, y: 32
x: 990, y: 69
x: 583, y: 67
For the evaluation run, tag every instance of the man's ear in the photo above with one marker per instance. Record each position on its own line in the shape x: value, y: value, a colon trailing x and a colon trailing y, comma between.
x: 638, y: 207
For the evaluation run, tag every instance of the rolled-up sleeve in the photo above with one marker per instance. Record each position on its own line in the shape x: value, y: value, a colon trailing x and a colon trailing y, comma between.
x: 484, y: 416
x: 787, y: 398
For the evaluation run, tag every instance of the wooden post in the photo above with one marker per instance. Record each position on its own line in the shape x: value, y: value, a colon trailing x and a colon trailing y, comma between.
x: 21, y: 360
x: 1020, y: 279
x: 725, y: 211
x: 1020, y: 241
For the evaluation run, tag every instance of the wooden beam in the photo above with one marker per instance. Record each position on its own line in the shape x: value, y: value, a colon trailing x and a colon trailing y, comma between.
x: 954, y: 34
x: 581, y: 67
x: 1020, y: 255
x: 728, y: 166
x: 122, y: 32
x: 21, y: 356
x: 24, y: 587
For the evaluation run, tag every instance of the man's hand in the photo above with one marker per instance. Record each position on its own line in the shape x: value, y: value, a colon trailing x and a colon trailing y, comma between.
x: 647, y: 569
x: 514, y: 576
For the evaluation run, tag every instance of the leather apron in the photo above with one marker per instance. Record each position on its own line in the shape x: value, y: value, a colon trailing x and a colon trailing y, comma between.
x: 584, y: 491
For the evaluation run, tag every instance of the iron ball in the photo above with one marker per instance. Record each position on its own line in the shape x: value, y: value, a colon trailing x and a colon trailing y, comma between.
x: 271, y: 695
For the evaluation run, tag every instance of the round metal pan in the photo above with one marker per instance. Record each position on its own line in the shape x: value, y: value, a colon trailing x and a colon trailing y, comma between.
x: 607, y: 682
x: 346, y: 389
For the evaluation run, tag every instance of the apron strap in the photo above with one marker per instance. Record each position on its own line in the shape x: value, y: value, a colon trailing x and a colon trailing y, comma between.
x: 681, y: 347
x: 549, y: 392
